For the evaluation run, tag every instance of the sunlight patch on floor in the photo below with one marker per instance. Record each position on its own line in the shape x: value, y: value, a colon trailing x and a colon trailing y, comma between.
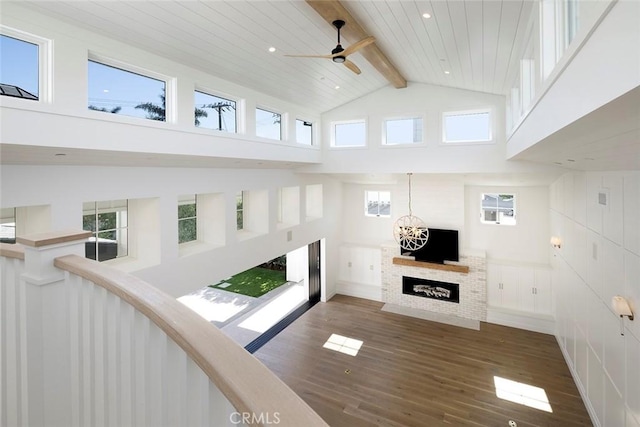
x: 342, y: 344
x: 274, y: 310
x: 212, y: 311
x: 524, y: 394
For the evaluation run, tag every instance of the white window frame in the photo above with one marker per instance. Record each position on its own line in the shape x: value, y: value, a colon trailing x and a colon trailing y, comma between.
x: 242, y: 197
x: 347, y: 122
x: 313, y: 137
x: 4, y: 221
x: 188, y: 202
x: 366, y: 204
x: 170, y: 89
x: 571, y: 21
x: 45, y: 68
x: 118, y: 228
x: 488, y: 111
x: 283, y: 123
x: 238, y: 113
x: 497, y: 221
x: 385, y: 143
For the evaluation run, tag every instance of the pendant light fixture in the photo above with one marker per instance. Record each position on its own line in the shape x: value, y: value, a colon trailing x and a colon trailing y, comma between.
x: 410, y: 232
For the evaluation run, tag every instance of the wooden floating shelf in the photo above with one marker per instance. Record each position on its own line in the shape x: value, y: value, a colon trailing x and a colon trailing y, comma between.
x: 447, y: 267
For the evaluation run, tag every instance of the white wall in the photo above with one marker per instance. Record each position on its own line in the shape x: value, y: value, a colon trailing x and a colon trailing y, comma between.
x: 527, y: 241
x: 604, y: 68
x: 156, y: 191
x: 432, y: 156
x: 437, y: 200
x: 599, y: 258
x: 70, y: 124
x: 445, y: 202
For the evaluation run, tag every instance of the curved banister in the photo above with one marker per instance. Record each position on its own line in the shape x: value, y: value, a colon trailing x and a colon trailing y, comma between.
x: 12, y: 250
x: 249, y: 385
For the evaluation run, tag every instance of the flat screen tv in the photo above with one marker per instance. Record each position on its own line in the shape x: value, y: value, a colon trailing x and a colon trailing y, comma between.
x: 441, y: 246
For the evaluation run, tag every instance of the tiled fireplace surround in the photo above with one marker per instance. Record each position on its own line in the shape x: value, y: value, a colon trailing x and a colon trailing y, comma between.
x: 473, y: 287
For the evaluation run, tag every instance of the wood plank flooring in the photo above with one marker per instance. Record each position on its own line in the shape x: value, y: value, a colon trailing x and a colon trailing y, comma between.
x: 413, y: 372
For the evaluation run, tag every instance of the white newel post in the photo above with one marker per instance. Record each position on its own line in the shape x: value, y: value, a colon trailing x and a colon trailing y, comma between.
x: 46, y: 348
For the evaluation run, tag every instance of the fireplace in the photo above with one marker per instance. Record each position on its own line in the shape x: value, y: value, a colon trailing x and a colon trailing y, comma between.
x: 442, y: 291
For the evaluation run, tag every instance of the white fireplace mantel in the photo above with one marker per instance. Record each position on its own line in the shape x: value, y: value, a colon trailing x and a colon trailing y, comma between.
x: 473, y: 287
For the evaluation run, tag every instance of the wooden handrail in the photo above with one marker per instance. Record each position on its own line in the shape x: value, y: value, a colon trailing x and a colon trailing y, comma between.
x: 249, y: 385
x: 12, y: 250
x: 53, y: 237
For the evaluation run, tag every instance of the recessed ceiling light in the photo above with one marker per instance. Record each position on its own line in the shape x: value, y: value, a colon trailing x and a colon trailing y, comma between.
x: 447, y: 72
x: 337, y: 87
x: 272, y: 49
x: 105, y: 90
x: 426, y: 15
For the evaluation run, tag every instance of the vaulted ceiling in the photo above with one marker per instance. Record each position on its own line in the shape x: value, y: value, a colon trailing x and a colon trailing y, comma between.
x: 466, y: 44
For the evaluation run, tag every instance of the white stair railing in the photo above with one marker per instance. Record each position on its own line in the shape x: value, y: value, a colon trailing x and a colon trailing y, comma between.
x: 84, y: 344
x: 13, y: 409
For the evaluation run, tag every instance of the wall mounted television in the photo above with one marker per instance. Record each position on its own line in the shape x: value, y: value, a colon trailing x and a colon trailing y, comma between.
x: 441, y: 246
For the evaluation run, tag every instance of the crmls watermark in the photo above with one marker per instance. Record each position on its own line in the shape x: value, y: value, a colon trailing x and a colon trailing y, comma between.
x: 263, y: 418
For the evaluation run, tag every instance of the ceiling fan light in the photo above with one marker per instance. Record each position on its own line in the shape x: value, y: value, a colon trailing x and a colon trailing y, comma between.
x: 339, y: 59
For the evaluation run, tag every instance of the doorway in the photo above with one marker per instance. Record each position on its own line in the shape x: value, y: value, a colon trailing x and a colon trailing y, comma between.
x: 314, y: 287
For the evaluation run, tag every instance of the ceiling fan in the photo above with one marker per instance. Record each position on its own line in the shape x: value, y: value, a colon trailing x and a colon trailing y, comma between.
x: 339, y: 54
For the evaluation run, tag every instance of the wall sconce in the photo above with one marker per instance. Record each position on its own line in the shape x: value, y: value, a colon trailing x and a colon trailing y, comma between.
x: 621, y: 308
x: 556, y: 242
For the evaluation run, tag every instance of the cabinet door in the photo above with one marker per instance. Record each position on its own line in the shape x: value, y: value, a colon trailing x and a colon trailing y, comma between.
x: 375, y: 266
x: 510, y: 285
x: 359, y: 266
x: 527, y: 283
x: 494, y: 287
x: 543, y: 292
x: 344, y: 264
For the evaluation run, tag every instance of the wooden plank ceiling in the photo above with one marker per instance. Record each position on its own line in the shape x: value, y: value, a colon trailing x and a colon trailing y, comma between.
x: 477, y: 42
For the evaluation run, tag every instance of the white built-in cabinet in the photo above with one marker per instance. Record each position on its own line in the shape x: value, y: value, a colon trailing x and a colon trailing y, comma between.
x: 360, y: 271
x: 525, y: 288
x: 360, y: 264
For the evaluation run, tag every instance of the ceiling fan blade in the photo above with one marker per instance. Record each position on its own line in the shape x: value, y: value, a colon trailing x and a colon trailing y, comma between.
x: 358, y: 45
x: 353, y: 67
x: 311, y: 56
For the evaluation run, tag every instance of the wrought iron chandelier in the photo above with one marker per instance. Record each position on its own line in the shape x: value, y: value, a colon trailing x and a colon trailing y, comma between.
x: 409, y: 231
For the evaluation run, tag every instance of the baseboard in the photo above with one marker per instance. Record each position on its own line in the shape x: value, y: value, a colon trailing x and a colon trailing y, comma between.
x: 576, y: 379
x: 516, y: 319
x: 359, y: 290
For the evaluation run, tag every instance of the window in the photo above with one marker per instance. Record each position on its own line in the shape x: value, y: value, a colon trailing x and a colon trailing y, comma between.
x: 403, y: 131
x: 498, y: 209
x: 108, y: 221
x: 377, y: 203
x: 240, y: 210
x: 304, y: 132
x: 467, y: 126
x: 268, y: 124
x: 349, y: 134
x: 214, y: 112
x: 8, y: 225
x: 187, y: 224
x: 571, y: 20
x: 117, y: 91
x: 19, y: 68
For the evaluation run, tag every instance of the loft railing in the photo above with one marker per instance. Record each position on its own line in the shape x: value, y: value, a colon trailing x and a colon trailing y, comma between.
x: 83, y: 344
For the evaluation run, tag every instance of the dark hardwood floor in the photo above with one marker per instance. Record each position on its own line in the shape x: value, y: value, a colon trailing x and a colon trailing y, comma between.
x: 412, y: 372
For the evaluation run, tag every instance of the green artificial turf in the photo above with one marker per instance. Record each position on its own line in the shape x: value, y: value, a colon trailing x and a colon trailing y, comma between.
x: 254, y: 282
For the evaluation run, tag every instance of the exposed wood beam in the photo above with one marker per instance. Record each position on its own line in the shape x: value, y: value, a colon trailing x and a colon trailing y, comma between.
x: 331, y: 10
